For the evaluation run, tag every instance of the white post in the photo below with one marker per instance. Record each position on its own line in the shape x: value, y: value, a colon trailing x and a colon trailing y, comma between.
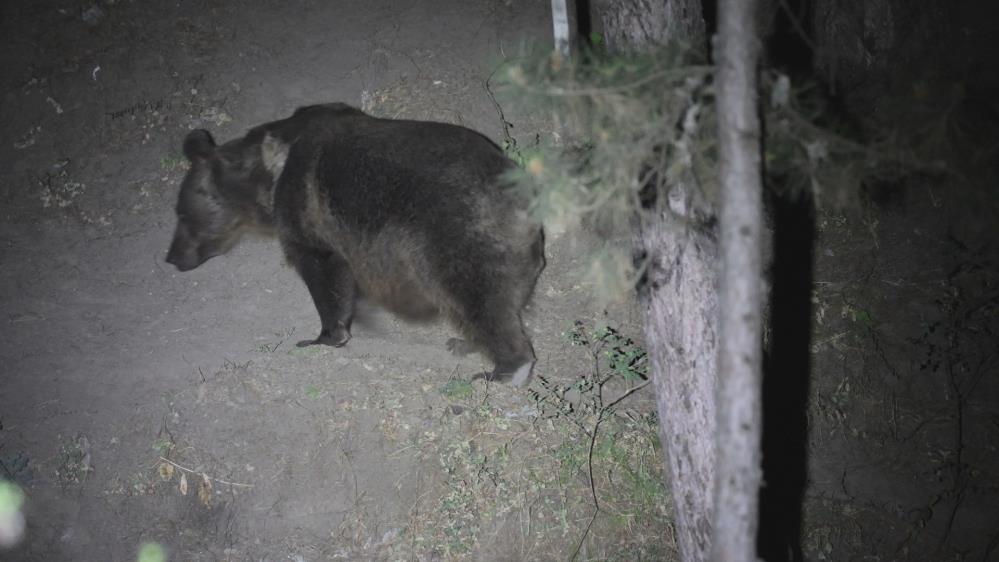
x: 560, y: 26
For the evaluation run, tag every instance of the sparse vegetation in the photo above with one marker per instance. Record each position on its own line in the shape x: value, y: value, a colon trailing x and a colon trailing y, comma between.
x: 173, y: 162
x: 628, y: 127
x: 573, y: 473
x: 162, y: 445
x: 74, y: 462
x: 457, y: 389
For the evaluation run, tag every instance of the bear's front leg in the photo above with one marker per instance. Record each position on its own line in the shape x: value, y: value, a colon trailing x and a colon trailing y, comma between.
x: 333, y: 290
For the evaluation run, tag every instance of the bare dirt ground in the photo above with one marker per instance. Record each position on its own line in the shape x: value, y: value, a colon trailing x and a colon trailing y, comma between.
x: 904, y: 393
x: 139, y: 404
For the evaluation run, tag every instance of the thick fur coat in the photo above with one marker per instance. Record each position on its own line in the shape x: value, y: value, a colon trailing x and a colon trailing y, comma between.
x: 412, y: 216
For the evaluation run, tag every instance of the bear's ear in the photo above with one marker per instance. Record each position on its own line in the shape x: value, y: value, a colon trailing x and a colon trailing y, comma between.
x: 199, y: 145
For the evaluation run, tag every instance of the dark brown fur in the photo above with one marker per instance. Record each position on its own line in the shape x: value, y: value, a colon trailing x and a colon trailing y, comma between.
x: 413, y: 216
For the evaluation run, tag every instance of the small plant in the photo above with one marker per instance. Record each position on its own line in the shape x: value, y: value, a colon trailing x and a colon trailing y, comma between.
x: 268, y: 347
x: 624, y: 357
x: 74, y: 463
x: 615, y: 358
x: 163, y: 446
x: 626, y: 449
x: 457, y: 389
x: 173, y: 162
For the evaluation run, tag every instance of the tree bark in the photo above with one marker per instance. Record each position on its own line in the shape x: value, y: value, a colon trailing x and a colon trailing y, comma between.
x: 740, y: 353
x: 680, y: 301
x: 639, y: 24
x: 678, y: 237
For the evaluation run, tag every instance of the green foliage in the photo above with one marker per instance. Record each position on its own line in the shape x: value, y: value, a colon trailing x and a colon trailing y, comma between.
x: 612, y: 118
x: 173, y: 162
x: 624, y: 356
x: 624, y: 447
x: 457, y: 389
x: 615, y: 357
x: 162, y: 445
x: 627, y: 129
x: 625, y: 122
x: 152, y: 552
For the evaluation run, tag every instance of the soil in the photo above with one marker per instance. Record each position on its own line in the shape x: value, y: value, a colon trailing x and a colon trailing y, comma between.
x: 904, y: 390
x: 139, y: 404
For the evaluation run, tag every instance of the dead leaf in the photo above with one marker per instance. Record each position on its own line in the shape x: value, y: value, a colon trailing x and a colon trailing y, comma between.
x: 183, y: 484
x: 205, y: 491
x: 166, y: 470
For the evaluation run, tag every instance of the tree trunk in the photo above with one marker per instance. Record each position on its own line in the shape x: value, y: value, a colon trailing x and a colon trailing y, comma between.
x: 678, y: 236
x: 681, y: 309
x: 637, y: 24
x: 740, y: 354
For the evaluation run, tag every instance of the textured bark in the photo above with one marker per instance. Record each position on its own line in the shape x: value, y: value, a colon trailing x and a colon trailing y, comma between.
x: 681, y: 308
x: 679, y: 297
x: 740, y: 353
x: 637, y: 24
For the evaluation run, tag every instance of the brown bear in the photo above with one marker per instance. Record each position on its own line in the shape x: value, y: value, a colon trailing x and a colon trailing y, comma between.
x: 413, y: 216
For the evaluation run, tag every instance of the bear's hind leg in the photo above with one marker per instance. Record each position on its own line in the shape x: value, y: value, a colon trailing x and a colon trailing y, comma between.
x: 498, y: 331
